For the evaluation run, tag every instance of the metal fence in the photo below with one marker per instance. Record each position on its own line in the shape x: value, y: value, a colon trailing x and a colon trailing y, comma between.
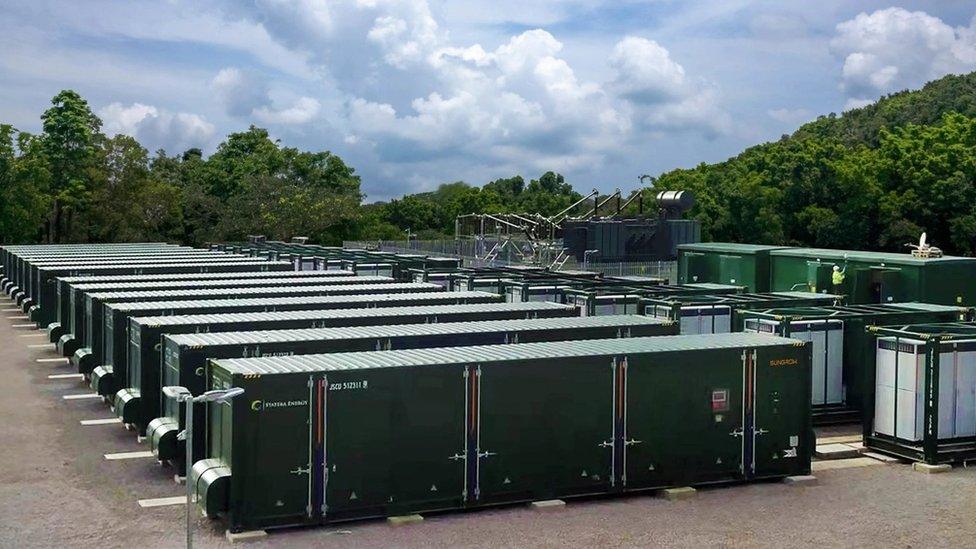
x: 472, y: 252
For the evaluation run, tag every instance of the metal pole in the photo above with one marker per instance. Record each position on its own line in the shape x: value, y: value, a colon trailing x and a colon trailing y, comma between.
x: 189, y: 466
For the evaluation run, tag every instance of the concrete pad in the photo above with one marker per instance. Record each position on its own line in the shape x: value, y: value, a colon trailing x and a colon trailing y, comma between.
x: 881, y: 457
x: 931, y: 469
x: 178, y: 479
x: 675, y: 494
x: 835, y: 451
x: 801, y: 480
x: 840, y: 439
x: 161, y: 502
x: 843, y: 463
x: 82, y: 396
x: 106, y: 421
x: 404, y: 520
x: 128, y: 455
x: 242, y: 537
x: 548, y: 505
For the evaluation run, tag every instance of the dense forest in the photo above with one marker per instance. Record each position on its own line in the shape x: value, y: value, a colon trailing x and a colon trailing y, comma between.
x: 873, y: 178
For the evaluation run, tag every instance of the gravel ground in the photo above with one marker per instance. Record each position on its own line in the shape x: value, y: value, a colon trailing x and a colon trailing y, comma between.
x: 58, y: 490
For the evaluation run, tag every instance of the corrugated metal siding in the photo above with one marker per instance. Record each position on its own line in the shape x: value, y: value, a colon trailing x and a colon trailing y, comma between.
x: 497, y: 353
x: 526, y: 306
x: 118, y: 287
x: 361, y: 298
x: 337, y: 288
x: 364, y: 332
x: 200, y: 276
x: 856, y: 255
x: 181, y: 264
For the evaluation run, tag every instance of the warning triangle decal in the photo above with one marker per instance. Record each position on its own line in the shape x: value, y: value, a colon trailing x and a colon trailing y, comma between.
x: 433, y: 487
x: 584, y: 474
x: 507, y: 481
x: 353, y: 496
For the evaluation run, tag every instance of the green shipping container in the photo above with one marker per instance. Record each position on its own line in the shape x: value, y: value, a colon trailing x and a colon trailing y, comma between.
x: 924, y: 391
x: 876, y: 277
x: 36, y: 290
x: 727, y: 263
x: 48, y: 275
x: 85, y: 302
x: 719, y: 314
x: 115, y: 321
x: 843, y: 351
x: 323, y: 438
x: 186, y: 355
x: 65, y: 287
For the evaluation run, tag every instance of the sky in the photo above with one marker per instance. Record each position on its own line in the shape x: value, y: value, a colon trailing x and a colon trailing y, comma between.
x: 415, y: 93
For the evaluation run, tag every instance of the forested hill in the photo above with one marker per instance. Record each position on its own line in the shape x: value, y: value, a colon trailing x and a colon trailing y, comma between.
x: 873, y: 178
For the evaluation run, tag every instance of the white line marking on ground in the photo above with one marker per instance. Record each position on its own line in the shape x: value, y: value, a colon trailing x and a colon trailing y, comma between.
x: 62, y: 360
x: 40, y: 345
x: 18, y: 317
x: 160, y: 502
x: 66, y: 376
x: 839, y: 439
x: 105, y: 421
x: 81, y: 396
x: 33, y: 335
x: 14, y: 310
x: 129, y: 455
x: 23, y: 326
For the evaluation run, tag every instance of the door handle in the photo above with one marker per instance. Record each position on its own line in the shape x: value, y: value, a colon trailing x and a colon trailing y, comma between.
x: 486, y: 454
x: 761, y: 431
x: 301, y: 471
x: 737, y: 433
x: 632, y: 442
x: 605, y: 444
x: 456, y: 457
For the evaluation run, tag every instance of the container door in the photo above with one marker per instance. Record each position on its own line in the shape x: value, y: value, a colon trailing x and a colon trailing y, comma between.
x: 694, y: 434
x: 965, y: 409
x: 394, y: 441
x: 886, y: 286
x: 730, y: 269
x: 280, y: 455
x: 692, y: 268
x: 819, y: 276
x: 885, y: 386
x: 781, y: 434
x: 909, y: 398
x: 542, y: 435
x: 827, y: 369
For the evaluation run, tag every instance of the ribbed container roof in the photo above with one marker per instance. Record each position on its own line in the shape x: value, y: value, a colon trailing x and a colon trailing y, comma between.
x: 325, y: 289
x: 89, y: 281
x: 482, y: 354
x: 406, y: 330
x: 223, y: 283
x: 728, y: 247
x: 93, y: 268
x: 853, y: 311
x: 857, y: 255
x: 365, y: 299
x: 526, y: 307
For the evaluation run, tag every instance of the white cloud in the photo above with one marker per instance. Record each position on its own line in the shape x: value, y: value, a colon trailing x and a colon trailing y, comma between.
x: 645, y: 71
x: 790, y: 116
x: 156, y: 128
x: 893, y: 49
x: 242, y: 92
x: 302, y: 111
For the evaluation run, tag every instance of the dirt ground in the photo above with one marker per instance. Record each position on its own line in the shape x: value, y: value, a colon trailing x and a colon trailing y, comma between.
x: 58, y: 490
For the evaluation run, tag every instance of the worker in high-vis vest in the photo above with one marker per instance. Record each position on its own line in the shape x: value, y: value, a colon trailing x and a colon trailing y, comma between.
x: 837, y: 279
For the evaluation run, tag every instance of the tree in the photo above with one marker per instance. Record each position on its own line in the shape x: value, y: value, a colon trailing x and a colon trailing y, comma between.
x: 24, y: 180
x: 71, y: 131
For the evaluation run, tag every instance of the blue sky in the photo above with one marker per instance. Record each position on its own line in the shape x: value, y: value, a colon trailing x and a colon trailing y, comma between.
x: 414, y: 93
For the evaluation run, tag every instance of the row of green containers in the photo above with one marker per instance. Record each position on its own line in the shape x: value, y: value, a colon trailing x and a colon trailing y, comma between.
x: 869, y: 277
x: 141, y: 360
